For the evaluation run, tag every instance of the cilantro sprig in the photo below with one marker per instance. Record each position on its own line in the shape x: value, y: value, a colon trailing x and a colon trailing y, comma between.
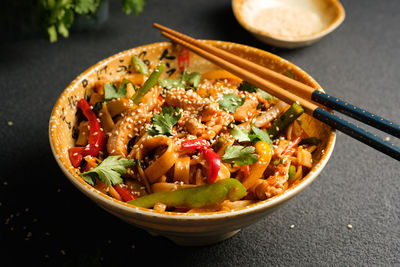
x: 109, y: 171
x: 245, y: 86
x: 230, y: 102
x: 186, y: 81
x: 164, y: 121
x: 57, y: 17
x: 256, y: 134
x: 112, y: 92
x: 240, y: 155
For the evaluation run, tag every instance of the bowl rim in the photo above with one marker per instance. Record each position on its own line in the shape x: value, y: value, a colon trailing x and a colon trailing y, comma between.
x: 166, y: 216
x: 237, y: 11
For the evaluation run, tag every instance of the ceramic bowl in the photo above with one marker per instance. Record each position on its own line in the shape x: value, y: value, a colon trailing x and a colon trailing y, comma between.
x: 183, y: 229
x: 289, y: 23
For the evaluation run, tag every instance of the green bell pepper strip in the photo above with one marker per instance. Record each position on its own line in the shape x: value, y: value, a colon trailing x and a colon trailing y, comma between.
x: 195, y: 197
x: 285, y: 119
x: 292, y: 171
x: 140, y: 66
x: 150, y: 82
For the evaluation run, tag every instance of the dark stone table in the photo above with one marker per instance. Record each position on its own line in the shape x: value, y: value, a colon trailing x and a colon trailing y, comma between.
x: 45, y: 220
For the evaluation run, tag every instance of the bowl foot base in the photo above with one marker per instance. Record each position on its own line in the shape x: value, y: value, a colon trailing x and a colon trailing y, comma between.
x: 202, y: 240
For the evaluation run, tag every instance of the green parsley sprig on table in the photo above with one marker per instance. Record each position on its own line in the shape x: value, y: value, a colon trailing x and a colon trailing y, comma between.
x: 57, y: 16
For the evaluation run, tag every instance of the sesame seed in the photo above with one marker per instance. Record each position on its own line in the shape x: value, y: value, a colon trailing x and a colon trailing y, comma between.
x: 349, y: 226
x: 292, y: 226
x: 10, y: 123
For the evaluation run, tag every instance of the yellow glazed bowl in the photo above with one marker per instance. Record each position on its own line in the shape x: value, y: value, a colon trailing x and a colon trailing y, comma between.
x: 328, y: 14
x: 183, y: 229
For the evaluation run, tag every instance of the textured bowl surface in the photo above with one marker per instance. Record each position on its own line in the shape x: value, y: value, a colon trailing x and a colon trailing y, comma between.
x: 184, y: 229
x: 329, y: 14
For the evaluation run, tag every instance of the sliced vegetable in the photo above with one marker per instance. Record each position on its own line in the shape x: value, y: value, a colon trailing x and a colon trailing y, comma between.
x: 292, y: 171
x: 183, y: 58
x: 150, y: 82
x: 285, y: 119
x: 195, y: 197
x: 97, y: 138
x: 140, y: 66
x: 212, y: 158
x: 264, y: 153
x: 125, y: 193
x: 75, y: 155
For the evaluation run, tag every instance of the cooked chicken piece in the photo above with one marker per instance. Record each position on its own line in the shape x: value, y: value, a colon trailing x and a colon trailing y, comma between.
x: 273, y: 185
x: 247, y: 110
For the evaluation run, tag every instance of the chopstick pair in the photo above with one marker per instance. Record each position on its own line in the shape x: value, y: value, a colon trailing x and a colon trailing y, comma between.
x: 274, y: 83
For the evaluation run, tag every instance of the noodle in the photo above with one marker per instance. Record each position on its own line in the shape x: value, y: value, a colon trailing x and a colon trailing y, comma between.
x: 183, y: 138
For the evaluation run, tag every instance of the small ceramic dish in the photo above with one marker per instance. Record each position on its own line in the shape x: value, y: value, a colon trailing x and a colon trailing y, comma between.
x: 289, y: 23
x: 182, y: 228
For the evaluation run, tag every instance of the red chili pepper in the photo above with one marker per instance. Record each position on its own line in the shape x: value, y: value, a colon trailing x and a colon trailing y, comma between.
x: 214, y: 164
x: 183, y: 59
x: 75, y: 155
x: 213, y: 160
x: 292, y: 144
x: 198, y: 143
x: 97, y: 139
x: 124, y: 192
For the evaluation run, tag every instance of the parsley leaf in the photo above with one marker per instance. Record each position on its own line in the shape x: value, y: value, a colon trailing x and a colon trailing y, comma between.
x: 164, y: 121
x: 230, y: 102
x: 111, y: 91
x: 242, y: 135
x: 186, y: 81
x: 259, y: 135
x: 86, y: 6
x: 133, y: 5
x: 109, y: 171
x: 240, y: 155
x: 245, y: 86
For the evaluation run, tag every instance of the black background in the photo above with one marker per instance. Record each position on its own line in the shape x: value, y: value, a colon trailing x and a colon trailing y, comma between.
x: 44, y: 220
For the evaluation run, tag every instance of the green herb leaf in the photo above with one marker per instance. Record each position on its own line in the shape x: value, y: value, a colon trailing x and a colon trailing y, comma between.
x: 109, y: 171
x: 164, y: 121
x: 133, y: 5
x: 241, y: 135
x: 111, y: 91
x: 240, y: 155
x: 186, y: 81
x: 260, y: 135
x: 230, y: 102
x: 86, y: 6
x: 245, y: 86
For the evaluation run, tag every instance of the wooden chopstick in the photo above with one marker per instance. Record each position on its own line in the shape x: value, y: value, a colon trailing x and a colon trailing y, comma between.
x: 309, y: 107
x: 297, y: 87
